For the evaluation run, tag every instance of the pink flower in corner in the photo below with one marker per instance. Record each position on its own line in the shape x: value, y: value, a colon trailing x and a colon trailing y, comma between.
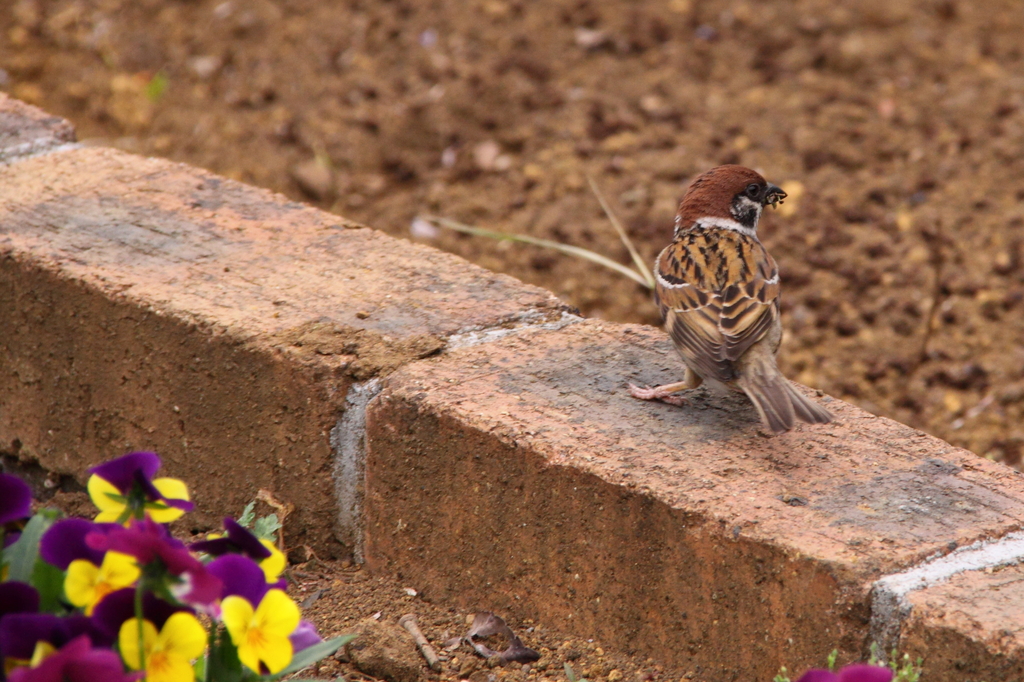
x: 859, y: 672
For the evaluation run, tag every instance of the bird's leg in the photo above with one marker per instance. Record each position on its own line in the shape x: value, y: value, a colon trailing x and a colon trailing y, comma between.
x: 666, y: 393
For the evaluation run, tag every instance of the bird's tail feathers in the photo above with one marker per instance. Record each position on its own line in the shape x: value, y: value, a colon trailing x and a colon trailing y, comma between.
x: 778, y: 403
x: 806, y: 409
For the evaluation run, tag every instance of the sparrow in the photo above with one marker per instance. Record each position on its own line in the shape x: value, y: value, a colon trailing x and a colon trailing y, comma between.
x: 718, y: 291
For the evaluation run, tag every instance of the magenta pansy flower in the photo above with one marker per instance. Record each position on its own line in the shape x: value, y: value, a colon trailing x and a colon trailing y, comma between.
x: 76, y: 661
x: 859, y: 672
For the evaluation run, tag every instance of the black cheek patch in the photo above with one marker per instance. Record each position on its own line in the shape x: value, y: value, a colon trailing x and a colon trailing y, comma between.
x: 745, y: 212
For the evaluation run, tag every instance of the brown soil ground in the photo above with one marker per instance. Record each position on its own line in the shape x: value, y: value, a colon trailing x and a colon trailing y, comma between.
x: 902, y: 122
x: 337, y: 597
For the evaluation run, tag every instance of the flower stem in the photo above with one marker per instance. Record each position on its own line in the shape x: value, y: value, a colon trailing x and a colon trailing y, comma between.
x: 138, y: 621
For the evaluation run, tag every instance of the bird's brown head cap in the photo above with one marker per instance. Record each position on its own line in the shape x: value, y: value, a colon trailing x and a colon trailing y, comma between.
x: 727, y: 193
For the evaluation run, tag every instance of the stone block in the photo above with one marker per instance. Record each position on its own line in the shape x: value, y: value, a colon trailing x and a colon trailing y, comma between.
x: 520, y: 477
x: 970, y: 628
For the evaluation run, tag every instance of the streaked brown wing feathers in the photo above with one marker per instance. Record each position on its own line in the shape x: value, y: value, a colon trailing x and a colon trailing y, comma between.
x: 722, y: 298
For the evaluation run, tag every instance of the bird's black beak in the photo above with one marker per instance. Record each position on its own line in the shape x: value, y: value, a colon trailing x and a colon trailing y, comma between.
x: 773, y: 195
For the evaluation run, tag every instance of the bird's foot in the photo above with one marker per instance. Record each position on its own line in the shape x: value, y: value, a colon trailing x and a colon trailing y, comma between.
x: 665, y: 394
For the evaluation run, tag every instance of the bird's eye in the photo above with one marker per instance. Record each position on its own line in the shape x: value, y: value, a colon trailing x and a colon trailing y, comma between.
x: 753, y: 190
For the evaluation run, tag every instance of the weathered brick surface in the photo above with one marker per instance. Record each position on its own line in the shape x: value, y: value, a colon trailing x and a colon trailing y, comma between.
x: 520, y: 476
x: 146, y: 304
x: 971, y: 628
x: 27, y: 130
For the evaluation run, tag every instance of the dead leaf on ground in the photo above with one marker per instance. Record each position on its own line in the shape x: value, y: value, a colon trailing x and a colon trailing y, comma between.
x: 486, y: 624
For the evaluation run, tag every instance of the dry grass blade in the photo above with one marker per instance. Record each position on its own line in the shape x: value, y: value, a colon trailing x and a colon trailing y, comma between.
x: 557, y: 246
x: 641, y: 266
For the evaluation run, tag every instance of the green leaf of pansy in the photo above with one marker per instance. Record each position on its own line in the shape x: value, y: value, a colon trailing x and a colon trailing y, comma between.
x: 266, y: 527
x: 311, y: 655
x: 21, y: 557
x: 49, y: 581
x: 248, y: 515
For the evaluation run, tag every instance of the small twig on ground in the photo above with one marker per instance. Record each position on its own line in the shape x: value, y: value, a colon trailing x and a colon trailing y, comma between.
x: 936, y: 242
x: 408, y: 621
x: 567, y: 249
x: 973, y: 412
x: 638, y: 261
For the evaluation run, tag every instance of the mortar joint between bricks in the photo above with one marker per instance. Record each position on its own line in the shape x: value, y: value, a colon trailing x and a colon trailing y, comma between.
x: 348, y: 450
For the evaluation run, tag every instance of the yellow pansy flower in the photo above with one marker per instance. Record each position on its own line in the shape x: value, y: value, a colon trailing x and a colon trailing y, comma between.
x: 262, y: 634
x: 113, y: 504
x: 86, y: 584
x: 166, y: 655
x: 42, y: 652
x: 273, y: 564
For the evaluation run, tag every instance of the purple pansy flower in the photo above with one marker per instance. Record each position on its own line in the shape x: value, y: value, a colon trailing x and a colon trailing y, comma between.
x: 124, y: 471
x: 20, y: 632
x: 77, y: 661
x: 238, y: 540
x: 119, y: 606
x: 15, y: 598
x: 240, y: 576
x: 18, y: 597
x: 15, y: 499
x: 148, y: 541
x: 859, y: 672
x: 65, y: 541
x: 304, y: 636
x: 137, y: 468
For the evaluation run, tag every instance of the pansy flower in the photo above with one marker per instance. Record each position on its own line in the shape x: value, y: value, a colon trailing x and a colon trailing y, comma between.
x: 91, y: 573
x: 15, y: 505
x: 86, y: 584
x: 118, y: 607
x: 240, y: 540
x: 15, y: 598
x: 166, y: 654
x: 260, y: 618
x: 15, y: 499
x: 65, y: 541
x: 124, y: 489
x: 240, y: 576
x: 18, y: 597
x: 304, y: 636
x: 158, y: 553
x: 860, y: 672
x: 76, y: 661
x: 261, y: 634
x: 28, y: 637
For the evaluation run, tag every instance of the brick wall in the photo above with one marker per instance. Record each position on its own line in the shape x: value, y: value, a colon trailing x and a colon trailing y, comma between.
x: 467, y: 432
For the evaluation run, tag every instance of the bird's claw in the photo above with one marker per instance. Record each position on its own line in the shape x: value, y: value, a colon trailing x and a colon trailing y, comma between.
x: 656, y: 393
